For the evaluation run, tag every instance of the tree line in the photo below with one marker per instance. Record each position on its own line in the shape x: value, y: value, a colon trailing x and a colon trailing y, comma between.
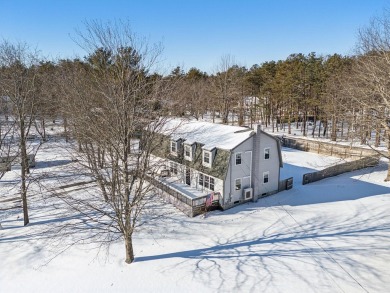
x: 112, y: 102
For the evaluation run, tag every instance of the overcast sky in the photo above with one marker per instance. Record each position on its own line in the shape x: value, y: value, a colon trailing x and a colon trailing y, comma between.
x: 197, y: 33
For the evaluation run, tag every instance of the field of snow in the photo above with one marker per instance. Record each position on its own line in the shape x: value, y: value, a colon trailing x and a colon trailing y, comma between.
x: 328, y: 236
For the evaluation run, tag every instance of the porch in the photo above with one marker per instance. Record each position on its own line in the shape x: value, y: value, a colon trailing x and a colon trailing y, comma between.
x: 189, y: 200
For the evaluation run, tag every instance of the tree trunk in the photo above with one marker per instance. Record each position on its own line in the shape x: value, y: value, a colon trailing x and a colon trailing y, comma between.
x: 24, y: 168
x: 289, y: 123
x: 377, y: 137
x: 325, y: 127
x: 319, y: 129
x: 66, y: 129
x: 241, y: 114
x: 129, y: 250
x: 388, y: 154
x: 314, y: 126
x: 333, y: 135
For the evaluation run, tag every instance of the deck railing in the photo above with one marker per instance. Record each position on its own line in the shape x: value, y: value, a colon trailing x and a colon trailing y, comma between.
x: 197, y: 205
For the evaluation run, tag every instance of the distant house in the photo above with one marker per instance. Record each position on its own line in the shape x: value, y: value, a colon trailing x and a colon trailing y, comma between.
x: 234, y: 164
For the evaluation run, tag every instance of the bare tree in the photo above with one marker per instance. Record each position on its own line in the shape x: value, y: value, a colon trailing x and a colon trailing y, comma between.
x: 7, y: 129
x: 369, y: 86
x: 114, y: 114
x: 226, y: 86
x: 18, y: 83
x: 47, y: 104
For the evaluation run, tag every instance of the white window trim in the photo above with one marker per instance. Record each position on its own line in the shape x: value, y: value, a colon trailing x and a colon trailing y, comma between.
x: 188, y: 158
x: 208, y: 179
x: 173, y: 168
x: 235, y: 184
x: 201, y: 182
x: 264, y: 175
x: 269, y: 153
x: 235, y: 159
x: 210, y: 158
x: 170, y: 147
x: 212, y: 184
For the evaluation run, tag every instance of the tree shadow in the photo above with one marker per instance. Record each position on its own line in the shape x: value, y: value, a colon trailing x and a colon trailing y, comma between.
x: 245, y: 263
x: 348, y: 186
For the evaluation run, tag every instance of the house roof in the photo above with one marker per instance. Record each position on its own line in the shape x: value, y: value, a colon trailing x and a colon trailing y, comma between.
x: 208, y: 134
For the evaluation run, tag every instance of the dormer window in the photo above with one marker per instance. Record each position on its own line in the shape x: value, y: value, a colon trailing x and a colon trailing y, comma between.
x: 188, y: 152
x: 173, y: 146
x: 207, y: 158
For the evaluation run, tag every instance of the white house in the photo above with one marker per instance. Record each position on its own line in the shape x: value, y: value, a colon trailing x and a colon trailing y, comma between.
x: 235, y: 164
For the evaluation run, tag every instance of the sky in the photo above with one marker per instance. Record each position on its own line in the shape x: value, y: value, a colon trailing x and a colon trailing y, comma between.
x: 197, y: 33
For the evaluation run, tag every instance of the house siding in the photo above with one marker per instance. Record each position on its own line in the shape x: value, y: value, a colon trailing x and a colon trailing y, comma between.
x: 224, y: 169
x: 271, y: 165
x: 242, y: 171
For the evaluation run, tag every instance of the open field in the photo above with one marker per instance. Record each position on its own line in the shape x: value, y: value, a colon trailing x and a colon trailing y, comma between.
x: 328, y: 236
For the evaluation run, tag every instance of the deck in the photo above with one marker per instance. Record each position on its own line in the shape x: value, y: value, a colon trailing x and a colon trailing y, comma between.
x: 189, y: 200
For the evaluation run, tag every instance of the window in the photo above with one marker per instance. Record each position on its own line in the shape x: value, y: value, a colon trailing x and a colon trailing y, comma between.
x: 206, y: 181
x: 188, y: 152
x: 265, y: 177
x: 206, y: 158
x: 266, y: 153
x: 238, y: 184
x: 212, y: 183
x: 173, y: 146
x: 173, y: 168
x: 238, y: 159
x: 201, y: 179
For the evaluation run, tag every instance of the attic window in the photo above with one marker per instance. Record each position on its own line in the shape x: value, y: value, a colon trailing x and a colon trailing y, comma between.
x: 173, y: 146
x: 266, y: 153
x: 238, y: 159
x: 188, y: 152
x: 207, y: 158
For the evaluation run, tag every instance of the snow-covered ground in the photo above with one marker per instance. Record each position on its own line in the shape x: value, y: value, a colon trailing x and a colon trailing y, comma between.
x: 328, y: 236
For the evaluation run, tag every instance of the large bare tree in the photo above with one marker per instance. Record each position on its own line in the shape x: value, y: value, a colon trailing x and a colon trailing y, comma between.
x: 18, y: 84
x: 114, y: 113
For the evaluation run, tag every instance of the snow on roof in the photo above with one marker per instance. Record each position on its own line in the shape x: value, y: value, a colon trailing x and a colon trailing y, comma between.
x: 211, y: 135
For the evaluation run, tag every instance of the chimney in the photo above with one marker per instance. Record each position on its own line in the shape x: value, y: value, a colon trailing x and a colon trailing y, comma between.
x: 256, y: 163
x: 258, y: 128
